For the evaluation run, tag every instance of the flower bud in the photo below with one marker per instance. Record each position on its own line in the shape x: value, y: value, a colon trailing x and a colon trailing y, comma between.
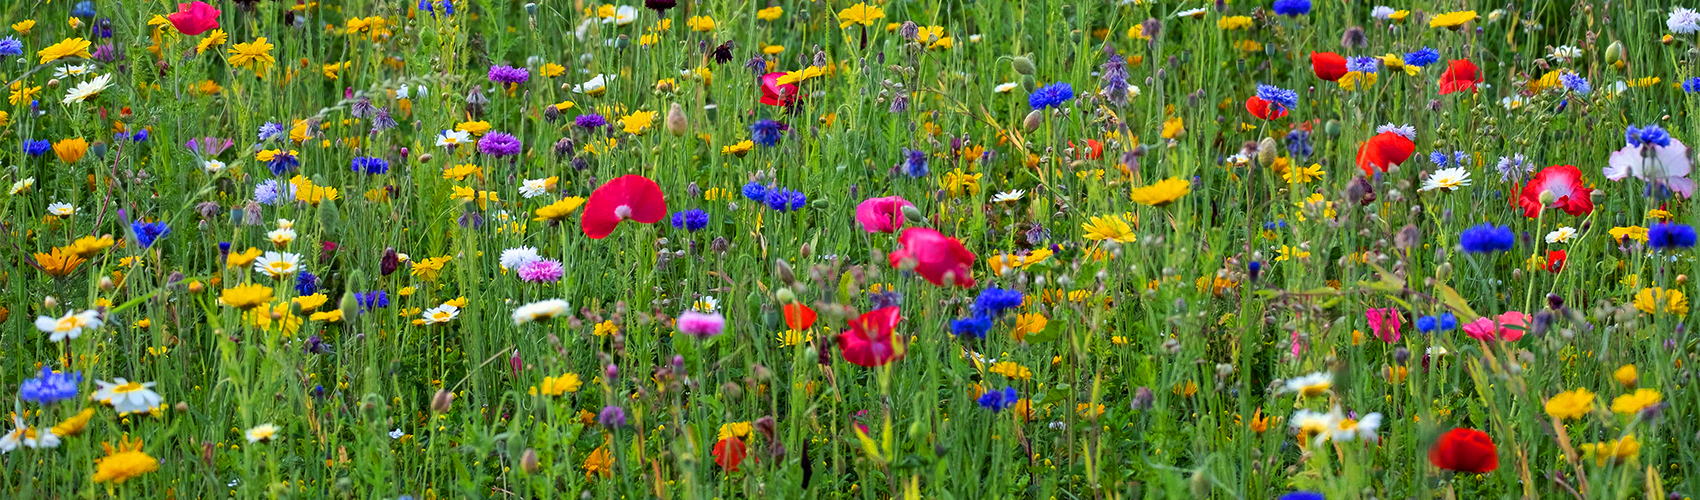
x: 1033, y: 120
x: 1022, y: 65
x: 1266, y: 151
x: 1615, y: 54
x: 912, y: 214
x: 441, y: 402
x: 676, y: 122
x: 528, y: 461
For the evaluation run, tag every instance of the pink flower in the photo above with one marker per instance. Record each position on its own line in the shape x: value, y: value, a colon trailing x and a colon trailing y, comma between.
x: 701, y: 325
x: 774, y: 94
x: 1385, y: 323
x: 869, y: 340
x: 628, y: 197
x: 882, y: 215
x: 194, y: 18
x: 1668, y: 165
x: 936, y: 257
x: 1298, y: 343
x: 541, y: 270
x: 1507, y: 327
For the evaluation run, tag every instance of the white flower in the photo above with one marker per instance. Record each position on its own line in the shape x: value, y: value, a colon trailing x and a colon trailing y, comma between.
x: 1310, y: 385
x: 532, y: 188
x: 1343, y: 428
x: 61, y: 209
x: 1561, y: 235
x: 594, y: 86
x: 285, y: 224
x: 1435, y: 350
x: 278, y: 264
x: 27, y: 436
x: 441, y: 314
x: 1405, y: 131
x: 706, y: 304
x: 1312, y: 424
x: 1683, y: 21
x: 88, y: 89
x: 1382, y: 12
x: 402, y: 92
x: 1449, y: 179
x: 72, y: 70
x: 539, y: 311
x: 974, y: 38
x: 1004, y: 88
x: 623, y: 15
x: 20, y: 186
x: 1564, y: 53
x: 70, y: 326
x: 452, y: 138
x: 126, y: 396
x: 262, y: 432
x: 1010, y: 196
x: 512, y: 258
x: 397, y: 433
x: 1193, y: 13
x: 1511, y: 102
x: 213, y: 166
x: 281, y: 236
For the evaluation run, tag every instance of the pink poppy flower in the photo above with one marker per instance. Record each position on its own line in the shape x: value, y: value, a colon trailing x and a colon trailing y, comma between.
x: 935, y: 256
x: 774, y: 94
x: 1570, y: 193
x: 1669, y: 165
x: 1507, y: 327
x: 1384, y: 323
x: 194, y: 18
x: 882, y: 215
x: 869, y: 341
x: 629, y: 197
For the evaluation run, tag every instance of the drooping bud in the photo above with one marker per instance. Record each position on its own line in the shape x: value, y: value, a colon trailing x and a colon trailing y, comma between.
x: 1615, y: 54
x: 1033, y: 120
x: 1022, y: 65
x: 676, y: 122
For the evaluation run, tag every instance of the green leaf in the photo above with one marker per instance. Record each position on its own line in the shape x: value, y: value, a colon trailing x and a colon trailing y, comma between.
x: 1456, y: 303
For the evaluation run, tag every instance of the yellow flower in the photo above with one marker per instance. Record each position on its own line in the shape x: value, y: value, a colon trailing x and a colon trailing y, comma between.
x: 477, y: 128
x: 59, y: 263
x: 772, y: 49
x: 23, y: 27
x: 734, y: 429
x: 1648, y: 301
x: 1011, y: 369
x: 1399, y: 16
x: 123, y: 463
x: 958, y: 183
x: 1356, y: 80
x: 1625, y: 375
x: 213, y: 39
x: 311, y: 194
x: 23, y: 93
x: 1452, y: 20
x: 861, y: 13
x: 310, y: 303
x: 245, y: 296
x: 331, y: 316
x: 1633, y: 232
x: 637, y: 123
x: 238, y: 260
x: 599, y: 461
x: 69, y: 47
x: 330, y: 70
x: 89, y: 245
x: 551, y: 70
x: 770, y: 13
x: 560, y: 209
x: 801, y: 75
x: 430, y: 268
x: 1234, y: 22
x: 740, y: 149
x: 74, y: 425
x: 1289, y: 253
x: 556, y: 386
x: 1658, y: 214
x: 700, y: 23
x: 1161, y: 193
x: 1303, y: 174
x: 1632, y: 403
x: 460, y: 172
x: 71, y: 150
x: 1393, y: 61
x: 605, y: 328
x: 1137, y: 32
x: 1028, y: 324
x: 1173, y: 127
x: 1570, y: 405
x: 256, y: 54
x: 261, y: 317
x: 1109, y: 227
x: 1616, y: 450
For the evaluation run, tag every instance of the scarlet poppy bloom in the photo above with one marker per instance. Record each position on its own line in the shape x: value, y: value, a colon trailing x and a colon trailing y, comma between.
x: 629, y: 197
x: 774, y: 94
x: 1264, y: 110
x: 1092, y: 151
x: 1465, y: 450
x: 869, y: 341
x: 1555, y: 261
x: 1564, y: 183
x: 798, y: 316
x: 194, y: 18
x: 729, y: 452
x: 1391, y: 146
x: 935, y: 255
x: 1328, y: 65
x: 1461, y: 74
x: 881, y: 215
x: 1508, y: 327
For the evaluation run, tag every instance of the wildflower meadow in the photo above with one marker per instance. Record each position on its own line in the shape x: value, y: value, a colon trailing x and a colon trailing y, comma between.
x: 848, y: 249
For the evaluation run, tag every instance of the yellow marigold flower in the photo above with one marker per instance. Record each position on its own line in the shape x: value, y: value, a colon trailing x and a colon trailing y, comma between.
x: 69, y: 47
x: 89, y: 245
x: 1304, y: 174
x: 1356, y: 80
x: 1632, y: 232
x: 245, y: 296
x: 1570, y: 405
x: 74, y: 425
x: 861, y: 13
x: 1011, y: 370
x: 22, y: 93
x: 1234, y: 22
x: 957, y: 183
x: 1173, y: 127
x: 310, y: 303
x: 124, y: 463
x: 599, y: 461
x: 556, y: 386
x: 605, y: 328
x: 1162, y: 193
x: 212, y: 39
x: 59, y: 263
x: 1658, y: 214
x: 560, y: 209
x: 71, y: 150
x: 331, y: 316
x: 242, y: 259
x: 477, y: 127
x: 1399, y: 15
x: 637, y: 123
x: 770, y: 13
x: 286, y: 321
x: 1289, y: 253
x: 1626, y: 375
x: 552, y: 70
x: 734, y: 429
x: 1108, y: 227
x: 1028, y: 324
x: 1137, y: 32
x: 430, y: 268
x: 23, y: 27
x: 801, y: 75
x: 700, y: 23
x: 1452, y: 20
x: 461, y: 172
x: 256, y: 54
x: 1633, y: 403
x: 1616, y: 450
x: 739, y: 150
x: 1648, y: 301
x: 772, y: 49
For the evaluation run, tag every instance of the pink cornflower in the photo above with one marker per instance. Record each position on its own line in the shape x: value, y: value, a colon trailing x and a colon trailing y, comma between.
x: 701, y: 325
x: 541, y: 270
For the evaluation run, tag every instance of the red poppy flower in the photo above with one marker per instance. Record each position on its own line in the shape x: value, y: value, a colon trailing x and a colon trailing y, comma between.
x: 194, y: 18
x: 1093, y: 150
x: 1555, y: 261
x: 798, y: 316
x: 935, y: 256
x: 1465, y: 450
x: 1564, y: 183
x: 869, y: 341
x: 774, y: 94
x: 881, y: 215
x: 629, y: 197
x: 1264, y: 110
x: 1385, y: 149
x: 1328, y: 65
x: 1461, y: 74
x: 729, y: 452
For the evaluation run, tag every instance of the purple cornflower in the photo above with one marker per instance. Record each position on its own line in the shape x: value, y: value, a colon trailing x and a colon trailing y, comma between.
x: 590, y: 121
x: 270, y: 130
x: 509, y: 75
x: 611, y: 417
x: 538, y: 271
x: 271, y: 192
x: 499, y: 144
x: 914, y: 162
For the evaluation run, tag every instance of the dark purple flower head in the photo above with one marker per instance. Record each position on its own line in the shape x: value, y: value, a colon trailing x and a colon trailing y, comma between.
x: 611, y: 417
x: 499, y: 144
x: 509, y: 75
x: 590, y: 121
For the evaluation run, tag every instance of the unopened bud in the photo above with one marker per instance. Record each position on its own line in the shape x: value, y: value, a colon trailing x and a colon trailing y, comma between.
x: 528, y: 461
x: 676, y: 122
x: 441, y: 402
x: 1022, y: 65
x: 1033, y: 120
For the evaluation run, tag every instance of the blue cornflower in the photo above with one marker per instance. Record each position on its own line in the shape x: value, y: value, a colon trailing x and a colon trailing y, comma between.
x: 271, y: 192
x: 1443, y: 322
x: 1437, y: 158
x: 1292, y: 7
x: 1364, y: 64
x: 914, y: 162
x: 785, y: 200
x: 766, y: 132
x: 975, y: 327
x: 1486, y: 237
x: 692, y: 220
x: 1276, y: 224
x: 1298, y: 143
x: 37, y: 147
x: 270, y: 130
x: 1423, y: 57
x: 10, y: 46
x: 306, y: 283
x: 1692, y: 85
x: 1448, y: 322
x: 372, y: 300
x: 1461, y: 159
x: 448, y: 6
x: 83, y: 9
x: 282, y: 162
x: 1650, y: 134
x: 1670, y: 235
x: 50, y: 387
x: 998, y: 400
x: 370, y: 165
x: 140, y: 136
x: 994, y: 301
x: 1303, y: 495
x: 1049, y: 96
x: 1575, y: 83
x: 1278, y: 96
x: 755, y: 191
x: 1426, y: 324
x: 147, y: 233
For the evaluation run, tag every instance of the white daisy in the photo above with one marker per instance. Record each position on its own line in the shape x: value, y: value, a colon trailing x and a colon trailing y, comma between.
x: 1449, y: 179
x: 1343, y: 428
x: 20, y: 186
x: 69, y: 326
x: 1010, y: 196
x: 126, y: 396
x: 594, y: 86
x: 706, y: 304
x: 397, y: 433
x: 281, y: 236
x: 1192, y: 13
x: 70, y: 70
x: 512, y: 258
x: 1511, y: 102
x: 1004, y: 88
x: 285, y: 224
x: 28, y: 437
x: 1310, y: 385
x: 540, y: 311
x: 974, y: 38
x: 213, y: 166
x: 402, y: 92
x: 1561, y: 235
x: 1310, y: 424
x: 262, y: 432
x: 277, y: 264
x: 441, y: 314
x: 88, y: 89
x: 61, y: 209
x: 452, y: 138
x: 1564, y: 53
x: 532, y: 188
x: 623, y: 15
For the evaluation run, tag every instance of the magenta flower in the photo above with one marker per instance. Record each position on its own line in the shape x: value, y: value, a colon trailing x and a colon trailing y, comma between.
x: 1507, y: 327
x: 541, y: 271
x: 701, y: 325
x: 499, y: 144
x: 1384, y: 323
x: 882, y: 215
